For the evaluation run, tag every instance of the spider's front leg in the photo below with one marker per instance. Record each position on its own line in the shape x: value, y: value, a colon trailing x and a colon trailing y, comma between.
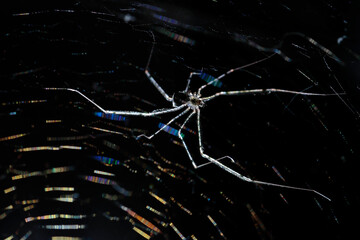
x: 234, y: 70
x: 125, y: 113
x: 266, y: 91
x: 159, y: 88
x: 152, y: 80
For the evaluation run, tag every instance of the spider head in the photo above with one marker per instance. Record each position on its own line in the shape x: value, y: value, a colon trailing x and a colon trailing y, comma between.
x: 194, y: 100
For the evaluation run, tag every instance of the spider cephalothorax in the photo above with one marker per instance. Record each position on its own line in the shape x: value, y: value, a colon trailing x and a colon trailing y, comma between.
x: 191, y: 100
x: 194, y: 101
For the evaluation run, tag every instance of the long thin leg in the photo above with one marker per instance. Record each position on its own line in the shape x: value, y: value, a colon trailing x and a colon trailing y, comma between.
x: 187, y: 150
x: 265, y: 91
x: 293, y: 98
x: 183, y: 142
x: 167, y: 124
x: 275, y: 51
x: 125, y: 113
x: 147, y: 114
x: 215, y: 161
x: 290, y: 187
x: 152, y: 80
x: 189, y: 81
x: 238, y: 175
x: 162, y: 92
x: 219, y: 159
x: 233, y: 70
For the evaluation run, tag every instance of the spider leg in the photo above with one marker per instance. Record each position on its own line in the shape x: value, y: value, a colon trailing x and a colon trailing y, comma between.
x: 291, y: 187
x: 238, y: 175
x: 186, y: 148
x: 147, y: 114
x: 189, y: 81
x: 183, y: 142
x: 157, y: 86
x: 233, y: 70
x: 265, y: 91
x: 152, y: 80
x: 219, y: 159
x: 125, y: 113
x: 216, y: 161
x: 167, y: 124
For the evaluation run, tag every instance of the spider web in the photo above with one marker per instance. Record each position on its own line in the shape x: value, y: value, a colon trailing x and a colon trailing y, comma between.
x: 119, y: 186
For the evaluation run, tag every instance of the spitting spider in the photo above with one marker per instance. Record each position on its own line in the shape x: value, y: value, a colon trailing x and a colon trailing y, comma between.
x: 191, y: 104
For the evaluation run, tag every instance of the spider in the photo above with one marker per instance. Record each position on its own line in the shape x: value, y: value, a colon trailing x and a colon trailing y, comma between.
x: 191, y: 104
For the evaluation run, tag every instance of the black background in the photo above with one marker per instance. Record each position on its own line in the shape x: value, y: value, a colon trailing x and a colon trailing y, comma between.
x: 313, y: 149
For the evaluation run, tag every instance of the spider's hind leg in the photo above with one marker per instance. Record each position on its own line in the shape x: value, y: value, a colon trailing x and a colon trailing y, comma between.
x: 242, y: 177
x: 187, y: 149
x: 183, y: 142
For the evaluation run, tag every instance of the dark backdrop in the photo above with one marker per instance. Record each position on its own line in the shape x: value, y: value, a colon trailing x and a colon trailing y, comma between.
x: 102, y: 47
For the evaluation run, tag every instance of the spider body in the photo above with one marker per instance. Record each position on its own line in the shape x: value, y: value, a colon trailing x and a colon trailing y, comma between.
x: 194, y: 101
x: 190, y: 103
x: 191, y: 99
